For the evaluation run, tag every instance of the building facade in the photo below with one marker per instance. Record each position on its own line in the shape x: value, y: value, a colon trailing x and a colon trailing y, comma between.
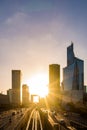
x: 4, y: 100
x: 54, y: 78
x: 25, y: 94
x: 16, y: 87
x: 9, y: 93
x: 73, y: 75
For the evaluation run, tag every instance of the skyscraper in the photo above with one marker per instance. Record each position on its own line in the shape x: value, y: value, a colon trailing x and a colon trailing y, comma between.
x: 16, y: 86
x: 73, y: 74
x: 25, y: 94
x: 9, y: 93
x: 54, y: 79
x: 70, y: 55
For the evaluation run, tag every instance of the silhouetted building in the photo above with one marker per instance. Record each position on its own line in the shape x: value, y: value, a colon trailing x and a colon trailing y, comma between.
x: 9, y: 93
x: 85, y: 89
x: 85, y: 95
x: 16, y: 87
x: 25, y: 94
x: 4, y: 99
x: 54, y: 78
x: 85, y: 99
x: 73, y: 75
x: 54, y: 83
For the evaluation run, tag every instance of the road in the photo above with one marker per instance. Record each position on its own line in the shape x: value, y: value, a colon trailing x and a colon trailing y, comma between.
x: 77, y: 118
x: 10, y: 118
x: 71, y: 119
x: 38, y: 120
x: 34, y: 122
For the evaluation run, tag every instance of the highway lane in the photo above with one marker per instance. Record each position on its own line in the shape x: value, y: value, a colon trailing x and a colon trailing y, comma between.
x: 34, y: 122
x: 75, y: 118
x: 4, y: 117
x: 10, y: 120
x: 39, y: 120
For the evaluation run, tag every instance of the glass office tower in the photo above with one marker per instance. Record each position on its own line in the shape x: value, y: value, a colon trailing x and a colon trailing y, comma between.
x: 73, y: 74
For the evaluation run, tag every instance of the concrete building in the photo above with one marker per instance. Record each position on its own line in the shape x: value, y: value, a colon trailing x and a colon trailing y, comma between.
x: 85, y: 89
x: 73, y: 76
x: 54, y: 83
x: 54, y: 78
x: 25, y: 94
x: 75, y: 96
x: 16, y: 87
x: 4, y: 100
x: 9, y: 93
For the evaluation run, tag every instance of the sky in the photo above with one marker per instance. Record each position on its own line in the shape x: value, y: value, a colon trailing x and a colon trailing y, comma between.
x: 36, y: 33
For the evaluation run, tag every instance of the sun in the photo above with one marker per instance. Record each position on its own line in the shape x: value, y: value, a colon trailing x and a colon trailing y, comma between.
x: 38, y: 84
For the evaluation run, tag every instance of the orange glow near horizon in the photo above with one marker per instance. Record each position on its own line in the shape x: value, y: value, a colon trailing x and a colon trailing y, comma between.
x: 38, y: 84
x: 36, y: 99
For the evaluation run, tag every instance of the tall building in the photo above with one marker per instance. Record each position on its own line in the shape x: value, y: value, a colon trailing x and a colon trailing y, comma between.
x: 9, y: 93
x: 16, y: 86
x: 73, y: 75
x: 54, y: 79
x: 25, y: 94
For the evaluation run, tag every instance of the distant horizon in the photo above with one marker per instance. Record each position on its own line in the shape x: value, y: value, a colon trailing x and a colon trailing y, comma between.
x: 28, y: 82
x: 34, y: 34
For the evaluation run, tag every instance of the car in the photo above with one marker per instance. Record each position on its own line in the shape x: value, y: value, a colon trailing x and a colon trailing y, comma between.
x: 17, y: 112
x: 10, y: 120
x: 13, y: 113
x: 65, y: 114
x: 56, y: 126
x: 62, y: 122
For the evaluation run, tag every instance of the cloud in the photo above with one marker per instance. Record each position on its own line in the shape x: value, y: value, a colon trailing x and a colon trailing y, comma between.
x: 17, y: 18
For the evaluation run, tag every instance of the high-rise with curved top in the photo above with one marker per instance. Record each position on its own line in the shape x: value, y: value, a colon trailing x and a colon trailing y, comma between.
x: 73, y: 74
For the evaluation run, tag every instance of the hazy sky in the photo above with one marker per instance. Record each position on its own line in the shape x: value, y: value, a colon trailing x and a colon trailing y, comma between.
x: 35, y: 33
